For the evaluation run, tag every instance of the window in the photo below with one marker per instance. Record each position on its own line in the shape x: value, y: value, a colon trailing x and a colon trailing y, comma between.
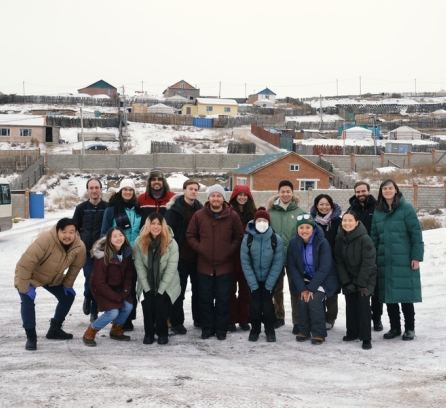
x: 209, y: 108
x: 227, y: 109
x: 306, y: 184
x: 266, y: 96
x: 26, y: 132
x: 182, y: 85
x: 109, y: 91
x: 5, y: 132
x: 294, y: 167
x: 241, y: 181
x: 6, y: 194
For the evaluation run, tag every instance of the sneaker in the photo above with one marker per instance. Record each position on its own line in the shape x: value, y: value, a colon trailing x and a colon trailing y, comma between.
x: 409, y: 335
x: 179, y: 329
x: 301, y: 338
x: 366, y: 345
x: 245, y: 326
x: 317, y: 341
x: 149, y: 339
x: 378, y: 326
x: 128, y: 326
x: 328, y: 326
x: 232, y: 327
x: 392, y: 333
x: 350, y: 338
x: 253, y: 336
x: 221, y: 335
x: 279, y: 323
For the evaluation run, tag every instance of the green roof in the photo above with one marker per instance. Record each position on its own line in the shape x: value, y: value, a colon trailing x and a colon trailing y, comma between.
x: 100, y: 84
x: 259, y: 163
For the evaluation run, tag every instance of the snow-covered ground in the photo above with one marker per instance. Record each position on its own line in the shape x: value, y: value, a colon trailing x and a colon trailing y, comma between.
x: 198, y: 373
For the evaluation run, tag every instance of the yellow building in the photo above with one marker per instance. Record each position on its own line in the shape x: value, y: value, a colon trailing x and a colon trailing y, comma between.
x: 211, y: 106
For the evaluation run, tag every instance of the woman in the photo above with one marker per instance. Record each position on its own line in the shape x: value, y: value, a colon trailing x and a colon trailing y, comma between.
x: 123, y: 211
x: 396, y: 233
x: 355, y: 263
x: 327, y: 215
x: 312, y: 270
x: 242, y: 203
x: 156, y: 261
x: 111, y: 283
x: 262, y: 261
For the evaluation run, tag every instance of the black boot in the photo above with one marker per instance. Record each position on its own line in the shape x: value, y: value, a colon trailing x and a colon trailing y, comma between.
x: 56, y: 333
x: 31, y: 342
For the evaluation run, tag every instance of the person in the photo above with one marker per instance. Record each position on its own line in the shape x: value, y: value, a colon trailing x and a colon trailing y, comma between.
x: 123, y: 211
x: 44, y: 264
x: 284, y: 209
x: 313, y: 273
x: 396, y: 233
x: 180, y: 210
x: 156, y: 261
x: 157, y: 195
x: 111, y: 283
x: 88, y: 217
x: 242, y: 203
x: 363, y: 203
x: 262, y: 262
x: 355, y: 262
x: 215, y: 233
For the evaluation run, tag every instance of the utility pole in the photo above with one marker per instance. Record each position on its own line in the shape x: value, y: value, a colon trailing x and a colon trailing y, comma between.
x: 81, y: 105
x: 360, y: 87
x: 23, y: 88
x: 219, y: 90
x: 245, y: 89
x: 142, y: 86
x: 415, y: 86
x: 125, y: 118
x: 374, y: 133
x: 320, y: 104
x: 337, y: 93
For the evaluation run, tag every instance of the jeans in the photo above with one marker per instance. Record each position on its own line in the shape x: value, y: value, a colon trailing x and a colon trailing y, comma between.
x: 312, y: 316
x: 88, y: 270
x: 119, y: 316
x: 27, y: 306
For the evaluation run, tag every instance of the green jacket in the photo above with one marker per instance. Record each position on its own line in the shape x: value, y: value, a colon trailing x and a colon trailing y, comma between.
x: 170, y: 280
x: 284, y: 222
x: 398, y: 240
x: 355, y: 256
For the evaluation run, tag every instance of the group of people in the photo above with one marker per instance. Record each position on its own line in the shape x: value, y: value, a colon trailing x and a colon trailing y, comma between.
x: 236, y: 256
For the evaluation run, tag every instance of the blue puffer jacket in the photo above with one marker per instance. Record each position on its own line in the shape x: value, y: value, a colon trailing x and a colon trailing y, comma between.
x: 135, y: 221
x: 325, y: 272
x: 266, y: 264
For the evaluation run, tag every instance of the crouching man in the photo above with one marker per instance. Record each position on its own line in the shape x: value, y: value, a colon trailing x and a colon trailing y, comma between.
x: 43, y: 264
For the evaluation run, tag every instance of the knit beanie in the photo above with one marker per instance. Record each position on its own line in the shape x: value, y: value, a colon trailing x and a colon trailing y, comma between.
x: 286, y: 183
x: 305, y: 219
x: 216, y: 188
x: 262, y: 213
x: 156, y: 172
x: 127, y: 183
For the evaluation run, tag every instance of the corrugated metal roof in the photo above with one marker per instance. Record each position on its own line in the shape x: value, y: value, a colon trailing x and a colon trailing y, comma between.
x: 216, y: 101
x: 260, y: 162
x: 266, y: 91
x: 22, y: 120
x: 100, y: 84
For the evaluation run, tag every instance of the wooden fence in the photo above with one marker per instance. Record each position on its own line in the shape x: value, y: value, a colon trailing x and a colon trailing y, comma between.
x: 164, y: 147
x: 55, y: 100
x: 271, y: 138
x: 70, y: 122
x: 161, y: 118
x: 241, y: 148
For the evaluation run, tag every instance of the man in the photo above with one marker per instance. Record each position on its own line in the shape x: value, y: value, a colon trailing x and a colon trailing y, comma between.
x: 180, y: 211
x: 283, y: 209
x: 156, y: 197
x: 363, y: 203
x: 215, y: 233
x: 88, y: 218
x: 43, y: 264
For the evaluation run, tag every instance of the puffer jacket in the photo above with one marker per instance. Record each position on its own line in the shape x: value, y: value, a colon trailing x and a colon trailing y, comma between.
x: 88, y: 218
x: 169, y: 277
x: 150, y: 205
x: 331, y: 229
x: 45, y: 261
x: 264, y: 265
x: 325, y: 272
x: 111, y: 284
x: 135, y: 221
x: 365, y: 212
x: 355, y: 256
x: 398, y: 240
x: 284, y: 222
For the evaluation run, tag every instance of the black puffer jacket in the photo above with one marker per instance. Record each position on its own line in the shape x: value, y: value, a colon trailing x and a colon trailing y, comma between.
x: 331, y: 229
x: 88, y: 218
x: 365, y: 213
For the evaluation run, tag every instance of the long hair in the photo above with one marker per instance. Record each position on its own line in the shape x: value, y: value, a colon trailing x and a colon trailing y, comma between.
x: 109, y: 249
x: 249, y: 209
x: 147, y: 238
x: 118, y: 196
x: 380, y: 200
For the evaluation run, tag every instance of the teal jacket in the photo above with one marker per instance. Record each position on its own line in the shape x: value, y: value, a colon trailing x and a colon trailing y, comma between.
x: 135, y: 221
x: 398, y: 240
x: 284, y: 222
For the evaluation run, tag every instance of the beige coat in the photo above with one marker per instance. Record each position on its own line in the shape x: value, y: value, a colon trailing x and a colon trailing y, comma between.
x: 45, y: 261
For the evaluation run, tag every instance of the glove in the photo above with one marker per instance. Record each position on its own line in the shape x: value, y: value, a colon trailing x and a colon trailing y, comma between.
x: 349, y: 286
x: 69, y: 290
x: 31, y: 292
x: 364, y: 291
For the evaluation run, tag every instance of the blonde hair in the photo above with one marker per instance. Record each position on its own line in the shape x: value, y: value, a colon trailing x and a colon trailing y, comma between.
x: 146, y: 236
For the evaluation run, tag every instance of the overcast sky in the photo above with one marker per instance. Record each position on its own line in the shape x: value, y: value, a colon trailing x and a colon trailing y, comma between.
x: 296, y: 48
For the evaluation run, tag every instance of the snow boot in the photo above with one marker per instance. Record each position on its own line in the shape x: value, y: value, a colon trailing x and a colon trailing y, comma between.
x: 89, y: 336
x: 56, y: 333
x: 117, y: 333
x: 31, y: 339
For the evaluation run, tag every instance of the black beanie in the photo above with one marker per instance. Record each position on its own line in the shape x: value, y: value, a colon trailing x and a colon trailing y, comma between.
x: 286, y: 183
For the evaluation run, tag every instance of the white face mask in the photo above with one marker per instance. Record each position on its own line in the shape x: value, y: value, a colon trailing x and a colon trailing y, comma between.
x: 262, y: 226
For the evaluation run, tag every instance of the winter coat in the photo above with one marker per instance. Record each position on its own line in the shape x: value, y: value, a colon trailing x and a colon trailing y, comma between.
x: 135, y: 221
x: 325, y: 272
x: 88, y: 218
x: 398, y: 240
x: 149, y: 205
x: 355, y: 256
x: 215, y: 239
x: 111, y: 284
x: 331, y: 229
x: 365, y: 213
x: 169, y: 277
x: 284, y: 222
x: 175, y: 217
x: 264, y: 265
x: 45, y: 261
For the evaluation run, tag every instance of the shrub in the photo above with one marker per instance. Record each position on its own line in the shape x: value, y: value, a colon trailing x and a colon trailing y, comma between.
x: 429, y: 223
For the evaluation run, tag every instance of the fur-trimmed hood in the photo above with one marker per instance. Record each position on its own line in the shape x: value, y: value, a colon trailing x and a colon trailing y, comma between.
x: 274, y: 200
x: 173, y: 200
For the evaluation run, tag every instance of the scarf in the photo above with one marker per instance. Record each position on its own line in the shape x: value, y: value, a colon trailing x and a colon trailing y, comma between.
x: 121, y: 217
x: 324, y: 220
x: 157, y: 194
x: 153, y: 266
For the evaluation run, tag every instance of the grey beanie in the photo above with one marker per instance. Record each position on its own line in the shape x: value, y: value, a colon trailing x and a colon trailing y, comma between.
x: 216, y: 188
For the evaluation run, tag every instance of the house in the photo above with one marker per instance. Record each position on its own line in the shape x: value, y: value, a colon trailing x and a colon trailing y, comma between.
x: 405, y: 133
x: 27, y: 128
x: 211, y: 106
x: 264, y: 173
x: 182, y: 88
x: 265, y: 94
x: 100, y: 88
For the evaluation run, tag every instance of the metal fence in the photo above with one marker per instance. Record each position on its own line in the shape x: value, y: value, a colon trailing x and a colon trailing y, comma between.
x: 30, y: 176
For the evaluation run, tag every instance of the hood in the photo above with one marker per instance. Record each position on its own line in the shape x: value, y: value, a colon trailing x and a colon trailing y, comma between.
x: 337, y: 211
x: 241, y: 189
x: 370, y: 203
x: 160, y: 174
x: 274, y: 200
x: 97, y: 251
x: 357, y: 232
x: 173, y: 200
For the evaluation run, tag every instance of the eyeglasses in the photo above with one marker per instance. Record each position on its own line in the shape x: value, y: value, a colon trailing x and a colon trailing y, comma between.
x: 156, y: 179
x: 303, y: 217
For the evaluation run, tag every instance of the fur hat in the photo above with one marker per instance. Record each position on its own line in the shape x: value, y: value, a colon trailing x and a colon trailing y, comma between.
x: 262, y: 213
x: 286, y: 183
x: 305, y: 219
x: 156, y: 172
x: 216, y: 188
x: 127, y: 183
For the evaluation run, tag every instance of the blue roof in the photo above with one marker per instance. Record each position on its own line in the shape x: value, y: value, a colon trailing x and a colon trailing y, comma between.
x: 266, y: 91
x: 259, y: 163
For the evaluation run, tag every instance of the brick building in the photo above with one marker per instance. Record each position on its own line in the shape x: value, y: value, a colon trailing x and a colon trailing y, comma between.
x: 264, y: 173
x: 182, y: 88
x: 100, y: 88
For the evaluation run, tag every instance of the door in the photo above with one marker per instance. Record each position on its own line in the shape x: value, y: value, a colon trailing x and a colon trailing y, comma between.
x: 188, y: 111
x: 49, y: 135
